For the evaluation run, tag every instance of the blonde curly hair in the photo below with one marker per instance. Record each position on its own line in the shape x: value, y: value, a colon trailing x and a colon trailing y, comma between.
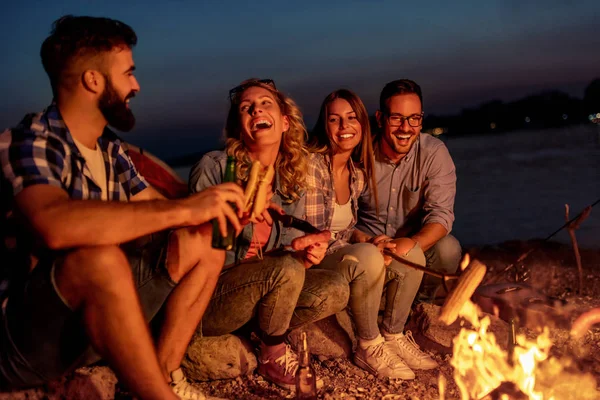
x: 291, y: 163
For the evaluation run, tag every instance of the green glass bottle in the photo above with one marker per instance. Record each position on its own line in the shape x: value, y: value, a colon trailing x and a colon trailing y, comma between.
x: 306, y: 379
x: 219, y: 241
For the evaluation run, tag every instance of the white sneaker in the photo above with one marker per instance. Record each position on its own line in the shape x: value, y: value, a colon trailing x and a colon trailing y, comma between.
x: 185, y: 390
x: 382, y: 360
x: 409, y: 351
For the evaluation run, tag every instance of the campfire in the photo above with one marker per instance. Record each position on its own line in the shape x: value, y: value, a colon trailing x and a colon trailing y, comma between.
x: 484, y: 370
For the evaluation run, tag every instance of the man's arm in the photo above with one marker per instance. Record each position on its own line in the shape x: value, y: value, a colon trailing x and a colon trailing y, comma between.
x: 440, y: 192
x: 65, y: 223
x: 148, y: 194
x: 429, y: 235
x: 438, y: 205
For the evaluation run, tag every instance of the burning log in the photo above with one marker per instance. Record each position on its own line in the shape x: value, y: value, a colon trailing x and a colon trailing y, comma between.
x: 507, y: 390
x: 482, y: 370
x: 468, y: 281
x: 584, y: 322
x: 523, y: 305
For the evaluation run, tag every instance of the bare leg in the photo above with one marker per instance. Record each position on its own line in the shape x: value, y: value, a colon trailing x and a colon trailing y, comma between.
x: 98, y: 281
x: 195, y: 265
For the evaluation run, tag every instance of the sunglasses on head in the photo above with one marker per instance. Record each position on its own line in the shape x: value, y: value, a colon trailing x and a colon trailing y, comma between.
x: 238, y: 89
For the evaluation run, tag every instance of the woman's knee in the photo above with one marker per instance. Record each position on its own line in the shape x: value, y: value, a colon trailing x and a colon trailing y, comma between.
x: 287, y: 268
x: 368, y: 258
x: 368, y: 253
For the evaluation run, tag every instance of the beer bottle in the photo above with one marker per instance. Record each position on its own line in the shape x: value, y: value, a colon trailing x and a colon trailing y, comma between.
x: 219, y: 241
x: 306, y: 379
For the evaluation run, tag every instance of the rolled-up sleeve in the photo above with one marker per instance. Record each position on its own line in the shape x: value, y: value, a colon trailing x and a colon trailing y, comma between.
x: 29, y: 160
x: 315, y: 199
x: 136, y: 182
x: 441, y: 190
x: 205, y: 173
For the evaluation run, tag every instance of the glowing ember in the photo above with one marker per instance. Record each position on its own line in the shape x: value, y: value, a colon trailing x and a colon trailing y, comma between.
x: 481, y: 365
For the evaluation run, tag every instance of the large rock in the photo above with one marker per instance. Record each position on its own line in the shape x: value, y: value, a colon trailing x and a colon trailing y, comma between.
x: 219, y: 357
x: 88, y: 383
x: 332, y: 337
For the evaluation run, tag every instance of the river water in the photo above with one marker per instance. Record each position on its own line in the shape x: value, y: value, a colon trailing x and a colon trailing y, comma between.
x: 515, y: 185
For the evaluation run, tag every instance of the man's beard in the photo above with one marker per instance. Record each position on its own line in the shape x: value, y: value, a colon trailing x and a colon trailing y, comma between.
x: 115, y: 110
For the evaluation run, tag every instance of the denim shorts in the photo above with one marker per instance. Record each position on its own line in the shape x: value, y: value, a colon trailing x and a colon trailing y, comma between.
x: 41, y: 338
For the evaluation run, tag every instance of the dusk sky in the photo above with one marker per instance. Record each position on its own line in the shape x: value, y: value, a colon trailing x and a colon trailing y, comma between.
x: 190, y: 53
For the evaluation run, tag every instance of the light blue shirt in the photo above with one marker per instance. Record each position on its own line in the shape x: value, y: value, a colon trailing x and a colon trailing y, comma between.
x: 418, y: 190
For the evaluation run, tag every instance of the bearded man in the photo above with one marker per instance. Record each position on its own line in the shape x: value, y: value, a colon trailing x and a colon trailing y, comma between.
x: 71, y: 204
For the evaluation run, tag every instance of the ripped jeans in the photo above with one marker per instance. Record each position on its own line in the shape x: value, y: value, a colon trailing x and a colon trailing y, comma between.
x: 277, y: 291
x: 363, y: 268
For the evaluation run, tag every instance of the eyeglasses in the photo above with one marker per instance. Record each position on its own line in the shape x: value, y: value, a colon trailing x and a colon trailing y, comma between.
x: 252, y: 82
x: 414, y: 120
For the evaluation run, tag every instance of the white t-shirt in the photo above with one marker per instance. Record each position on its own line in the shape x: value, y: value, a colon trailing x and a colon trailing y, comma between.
x: 342, y: 217
x: 95, y: 162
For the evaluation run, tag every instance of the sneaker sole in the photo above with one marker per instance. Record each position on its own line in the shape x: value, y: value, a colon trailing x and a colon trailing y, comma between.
x: 421, y: 366
x: 425, y: 368
x: 364, y: 365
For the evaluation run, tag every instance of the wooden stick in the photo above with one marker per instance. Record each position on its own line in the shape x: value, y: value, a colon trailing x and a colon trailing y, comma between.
x: 571, y: 227
x: 586, y: 211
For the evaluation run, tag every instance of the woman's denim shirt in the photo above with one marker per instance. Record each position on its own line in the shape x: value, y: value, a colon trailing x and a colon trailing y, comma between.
x: 209, y: 172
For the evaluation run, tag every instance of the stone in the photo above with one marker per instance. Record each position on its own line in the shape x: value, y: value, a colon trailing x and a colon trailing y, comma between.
x: 331, y: 337
x: 219, y: 357
x: 91, y: 383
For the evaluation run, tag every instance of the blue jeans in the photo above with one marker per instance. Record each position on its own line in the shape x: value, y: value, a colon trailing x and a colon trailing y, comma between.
x: 443, y: 257
x: 403, y: 283
x: 278, y: 291
x: 363, y: 268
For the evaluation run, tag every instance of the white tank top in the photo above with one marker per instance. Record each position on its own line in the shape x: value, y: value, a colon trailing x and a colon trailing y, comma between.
x: 342, y: 217
x: 95, y: 162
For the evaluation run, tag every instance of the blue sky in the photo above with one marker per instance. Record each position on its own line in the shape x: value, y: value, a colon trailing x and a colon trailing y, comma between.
x: 190, y: 53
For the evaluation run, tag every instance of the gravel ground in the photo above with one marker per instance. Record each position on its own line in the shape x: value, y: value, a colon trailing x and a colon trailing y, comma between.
x: 551, y: 269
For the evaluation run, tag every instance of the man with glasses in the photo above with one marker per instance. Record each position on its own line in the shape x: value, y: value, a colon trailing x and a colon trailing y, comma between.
x: 412, y: 209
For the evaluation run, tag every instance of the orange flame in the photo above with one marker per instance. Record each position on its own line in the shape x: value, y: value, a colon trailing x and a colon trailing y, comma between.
x: 481, y: 365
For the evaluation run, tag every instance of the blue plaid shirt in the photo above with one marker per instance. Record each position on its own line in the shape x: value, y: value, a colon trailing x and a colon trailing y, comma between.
x: 41, y: 150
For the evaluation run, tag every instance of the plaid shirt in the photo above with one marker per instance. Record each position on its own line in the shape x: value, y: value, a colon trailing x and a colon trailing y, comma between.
x: 320, y: 197
x: 41, y: 150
